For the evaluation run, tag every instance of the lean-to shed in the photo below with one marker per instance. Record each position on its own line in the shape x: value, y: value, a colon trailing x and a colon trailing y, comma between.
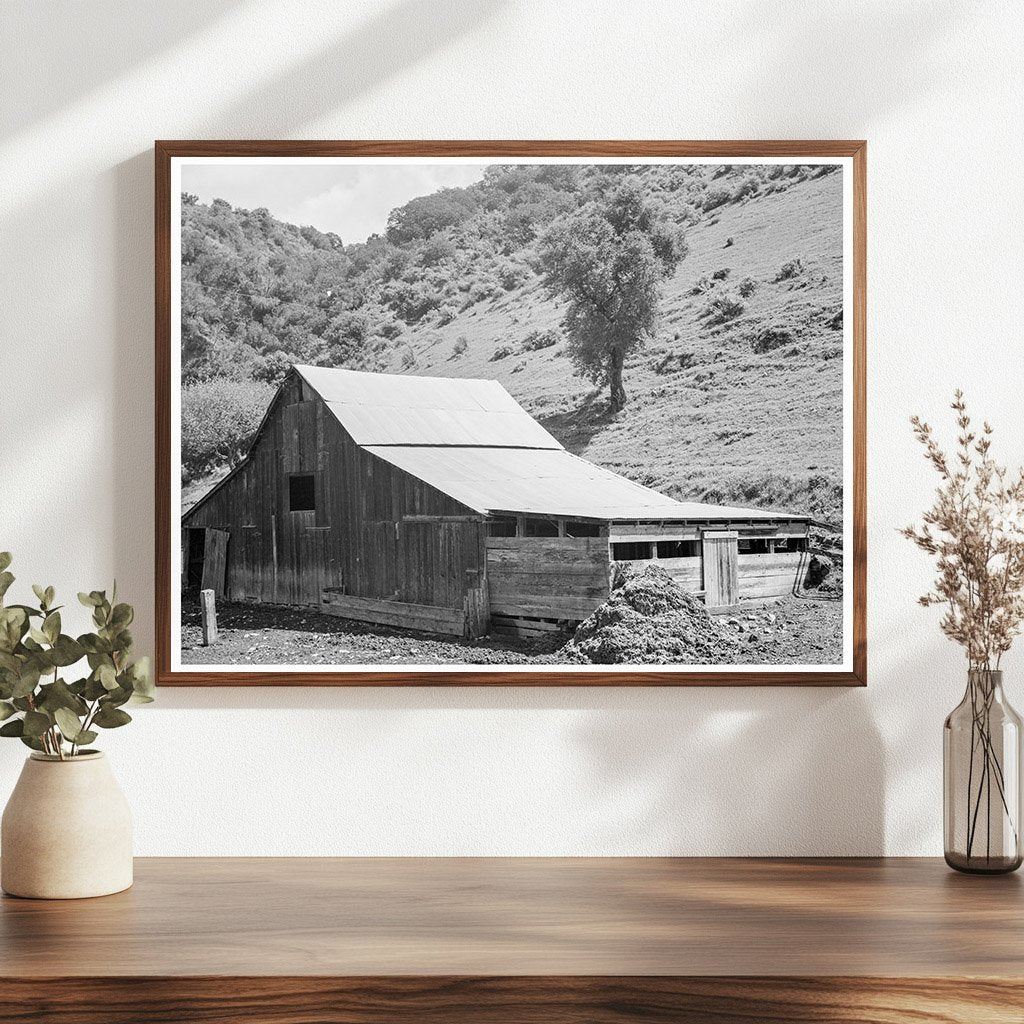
x: 441, y: 504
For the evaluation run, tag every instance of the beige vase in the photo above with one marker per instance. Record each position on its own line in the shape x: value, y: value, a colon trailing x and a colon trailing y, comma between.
x: 66, y: 831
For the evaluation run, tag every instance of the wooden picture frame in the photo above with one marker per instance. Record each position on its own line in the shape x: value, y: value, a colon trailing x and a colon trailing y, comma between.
x: 850, y: 154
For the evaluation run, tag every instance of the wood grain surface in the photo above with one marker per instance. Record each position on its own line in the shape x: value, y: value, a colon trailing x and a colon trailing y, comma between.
x: 505, y: 940
x: 166, y: 150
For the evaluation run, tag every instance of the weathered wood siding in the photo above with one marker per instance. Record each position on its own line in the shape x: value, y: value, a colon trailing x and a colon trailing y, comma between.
x: 721, y: 569
x: 357, y: 541
x: 547, y: 577
x: 771, y: 575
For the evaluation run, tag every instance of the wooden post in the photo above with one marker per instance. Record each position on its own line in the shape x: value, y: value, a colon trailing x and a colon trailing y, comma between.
x: 209, y: 610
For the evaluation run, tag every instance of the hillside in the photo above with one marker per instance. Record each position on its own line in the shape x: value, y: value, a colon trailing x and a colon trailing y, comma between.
x: 737, y: 397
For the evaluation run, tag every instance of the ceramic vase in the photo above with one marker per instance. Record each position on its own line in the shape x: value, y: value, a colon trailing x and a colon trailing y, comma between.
x: 66, y: 831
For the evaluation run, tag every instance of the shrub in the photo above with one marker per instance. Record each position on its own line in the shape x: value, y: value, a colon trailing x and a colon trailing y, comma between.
x: 218, y: 420
x: 724, y: 308
x: 721, y: 275
x: 511, y: 275
x: 716, y: 197
x: 672, y: 361
x: 747, y: 287
x: 748, y: 187
x: 407, y: 356
x: 702, y: 286
x: 502, y: 352
x: 536, y: 340
x: 790, y: 269
x: 460, y: 346
x: 769, y: 338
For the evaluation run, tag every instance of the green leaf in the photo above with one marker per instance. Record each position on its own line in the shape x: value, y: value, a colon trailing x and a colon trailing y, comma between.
x: 13, y: 728
x: 5, y: 560
x: 31, y: 741
x: 51, y: 626
x: 36, y: 723
x: 86, y: 736
x: 66, y: 651
x: 94, y: 644
x: 142, y: 682
x: 49, y: 594
x: 13, y: 626
x: 40, y: 593
x: 94, y: 689
x: 6, y: 710
x: 30, y: 612
x: 27, y: 681
x: 6, y: 579
x: 38, y: 635
x: 69, y: 724
x: 122, y: 616
x: 115, y: 698
x: 107, y: 676
x: 59, y: 695
x: 109, y: 717
x: 89, y: 600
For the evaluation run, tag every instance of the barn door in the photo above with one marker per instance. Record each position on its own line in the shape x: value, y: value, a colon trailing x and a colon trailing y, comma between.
x: 311, y: 565
x: 215, y: 561
x: 721, y: 568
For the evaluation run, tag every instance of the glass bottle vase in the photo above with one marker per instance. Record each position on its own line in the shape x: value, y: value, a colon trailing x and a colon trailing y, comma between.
x: 981, y: 770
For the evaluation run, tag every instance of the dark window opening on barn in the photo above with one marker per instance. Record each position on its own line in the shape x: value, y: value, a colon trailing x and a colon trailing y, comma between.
x: 541, y: 528
x: 301, y: 493
x: 753, y: 545
x: 631, y: 551
x: 196, y: 539
x: 790, y: 543
x: 582, y: 529
x: 501, y: 528
x: 677, y: 549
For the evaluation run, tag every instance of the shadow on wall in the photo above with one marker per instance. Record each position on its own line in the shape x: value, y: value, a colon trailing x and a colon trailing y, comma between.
x: 691, y: 771
x: 742, y: 771
x: 117, y: 35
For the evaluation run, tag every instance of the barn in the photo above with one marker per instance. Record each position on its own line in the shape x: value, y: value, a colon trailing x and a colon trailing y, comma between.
x: 441, y: 504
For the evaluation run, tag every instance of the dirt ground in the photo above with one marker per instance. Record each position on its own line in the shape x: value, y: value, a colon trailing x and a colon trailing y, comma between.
x: 793, y: 631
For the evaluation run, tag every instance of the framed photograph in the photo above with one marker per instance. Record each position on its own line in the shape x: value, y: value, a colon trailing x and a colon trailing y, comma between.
x: 527, y: 413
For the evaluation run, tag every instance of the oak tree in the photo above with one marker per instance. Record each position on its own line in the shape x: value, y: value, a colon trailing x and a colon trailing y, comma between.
x: 607, y: 259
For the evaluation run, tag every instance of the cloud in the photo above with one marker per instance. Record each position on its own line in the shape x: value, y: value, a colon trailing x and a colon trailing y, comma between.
x: 351, y: 199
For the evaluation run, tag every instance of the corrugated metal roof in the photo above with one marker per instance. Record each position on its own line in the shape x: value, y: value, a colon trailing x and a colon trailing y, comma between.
x: 386, y: 409
x: 545, y: 482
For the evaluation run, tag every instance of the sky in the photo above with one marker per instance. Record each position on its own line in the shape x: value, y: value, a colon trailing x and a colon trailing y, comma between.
x: 352, y: 199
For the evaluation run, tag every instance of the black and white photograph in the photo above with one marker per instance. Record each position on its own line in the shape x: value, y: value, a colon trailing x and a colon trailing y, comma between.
x: 511, y: 413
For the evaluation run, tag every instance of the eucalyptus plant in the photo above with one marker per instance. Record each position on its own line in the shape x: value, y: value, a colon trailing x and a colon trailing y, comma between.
x: 37, y: 705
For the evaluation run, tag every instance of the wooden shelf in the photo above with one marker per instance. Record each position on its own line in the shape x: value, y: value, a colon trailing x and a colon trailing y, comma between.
x: 573, y: 941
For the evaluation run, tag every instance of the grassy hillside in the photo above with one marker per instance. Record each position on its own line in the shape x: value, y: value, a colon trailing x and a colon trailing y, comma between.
x: 746, y: 410
x: 737, y: 398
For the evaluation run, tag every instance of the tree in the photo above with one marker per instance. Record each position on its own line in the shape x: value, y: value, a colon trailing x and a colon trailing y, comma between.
x: 218, y: 420
x: 608, y: 259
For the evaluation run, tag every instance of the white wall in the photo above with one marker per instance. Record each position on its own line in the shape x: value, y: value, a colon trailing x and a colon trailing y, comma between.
x: 937, y: 90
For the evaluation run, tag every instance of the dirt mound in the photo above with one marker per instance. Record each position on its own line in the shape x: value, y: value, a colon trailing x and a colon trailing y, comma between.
x: 649, y: 620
